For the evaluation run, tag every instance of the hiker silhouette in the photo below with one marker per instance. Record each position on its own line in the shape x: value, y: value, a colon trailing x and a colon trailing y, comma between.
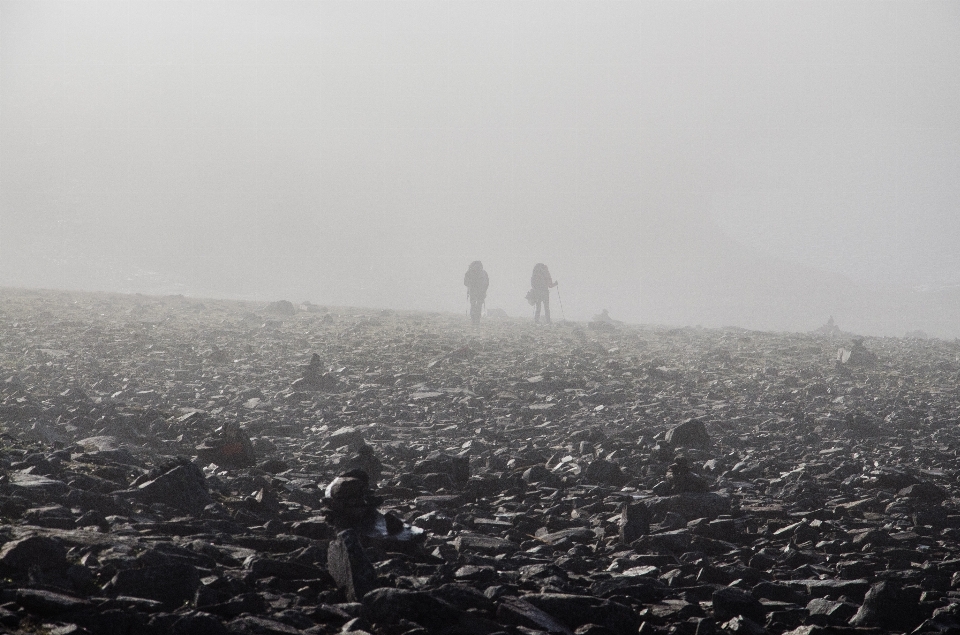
x: 540, y: 285
x: 476, y: 280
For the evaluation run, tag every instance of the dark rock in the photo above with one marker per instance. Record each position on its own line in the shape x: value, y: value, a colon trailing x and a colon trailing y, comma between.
x: 47, y: 602
x: 231, y: 449
x: 472, y: 543
x: 741, y: 625
x: 435, y: 521
x: 295, y: 618
x: 577, y: 610
x: 250, y: 625
x: 690, y: 506
x: 480, y: 486
x: 777, y: 592
x: 456, y: 467
x: 593, y: 629
x: 45, y: 553
x: 519, y: 612
x: 350, y: 566
x: 934, y: 516
x: 182, y: 487
x: 53, y: 516
x: 315, y: 528
x: 346, y: 436
x: 38, y: 489
x: 171, y: 584
x: 114, y: 621
x: 260, y: 567
x: 853, y: 589
x: 274, y: 466
x: 719, y: 529
x: 242, y: 603
x: 539, y: 474
x: 681, y: 478
x: 12, y: 507
x: 435, y: 481
x: 645, y: 590
x: 9, y: 619
x: 762, y: 561
x: 692, y: 433
x: 475, y: 574
x: 315, y: 379
x: 132, y: 604
x: 385, y: 607
x: 544, y: 572
x: 604, y: 472
x: 94, y: 501
x: 887, y: 605
x: 634, y: 522
x: 925, y: 493
x: 281, y: 307
x: 857, y: 355
x: 895, y: 479
x: 280, y: 543
x: 862, y: 425
x: 677, y: 541
x: 198, y: 623
x: 464, y: 597
x: 675, y: 610
x: 945, y: 619
x: 349, y: 503
x: 824, y: 612
x: 165, y: 553
x: 580, y: 535
x: 873, y: 537
x: 438, y: 502
x: 730, y: 602
x: 366, y: 461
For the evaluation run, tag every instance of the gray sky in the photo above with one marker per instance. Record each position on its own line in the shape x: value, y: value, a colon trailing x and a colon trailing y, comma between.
x: 714, y: 162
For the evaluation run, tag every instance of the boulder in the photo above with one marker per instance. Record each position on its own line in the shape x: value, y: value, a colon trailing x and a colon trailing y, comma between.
x: 171, y: 584
x: 692, y: 433
x: 604, y: 472
x: 729, y: 602
x: 182, y: 487
x: 385, y: 607
x: 17, y: 557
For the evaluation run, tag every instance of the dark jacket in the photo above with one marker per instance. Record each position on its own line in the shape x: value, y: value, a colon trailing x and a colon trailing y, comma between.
x: 476, y: 280
x: 541, y: 280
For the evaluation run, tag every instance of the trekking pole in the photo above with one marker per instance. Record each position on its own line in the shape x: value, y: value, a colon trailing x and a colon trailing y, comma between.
x: 564, y: 317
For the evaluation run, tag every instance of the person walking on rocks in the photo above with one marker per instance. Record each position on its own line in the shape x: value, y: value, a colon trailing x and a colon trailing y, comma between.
x: 476, y: 280
x: 540, y: 284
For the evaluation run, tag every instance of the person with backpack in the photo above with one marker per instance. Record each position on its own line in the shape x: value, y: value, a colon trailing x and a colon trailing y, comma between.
x: 476, y: 280
x: 540, y: 284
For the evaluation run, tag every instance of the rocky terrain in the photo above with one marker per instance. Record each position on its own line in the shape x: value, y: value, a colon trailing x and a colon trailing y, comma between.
x: 170, y: 465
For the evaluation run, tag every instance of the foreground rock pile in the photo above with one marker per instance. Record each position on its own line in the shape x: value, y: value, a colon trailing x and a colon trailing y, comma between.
x: 171, y: 466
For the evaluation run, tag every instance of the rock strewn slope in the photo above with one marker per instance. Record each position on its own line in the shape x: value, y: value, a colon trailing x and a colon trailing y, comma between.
x: 797, y: 493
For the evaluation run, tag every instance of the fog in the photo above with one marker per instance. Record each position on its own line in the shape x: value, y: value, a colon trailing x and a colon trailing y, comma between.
x: 758, y: 164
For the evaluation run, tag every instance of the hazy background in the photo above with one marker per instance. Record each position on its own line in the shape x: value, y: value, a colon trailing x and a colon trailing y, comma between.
x: 761, y: 164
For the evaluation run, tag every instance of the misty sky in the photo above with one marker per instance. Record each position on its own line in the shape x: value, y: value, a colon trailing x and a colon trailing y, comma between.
x: 660, y: 157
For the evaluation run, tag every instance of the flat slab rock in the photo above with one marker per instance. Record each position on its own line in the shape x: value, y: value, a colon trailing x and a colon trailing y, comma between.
x: 484, y: 544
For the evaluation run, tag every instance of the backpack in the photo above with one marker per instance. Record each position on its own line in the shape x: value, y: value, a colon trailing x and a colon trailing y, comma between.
x: 541, y: 276
x: 476, y: 278
x: 473, y: 273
